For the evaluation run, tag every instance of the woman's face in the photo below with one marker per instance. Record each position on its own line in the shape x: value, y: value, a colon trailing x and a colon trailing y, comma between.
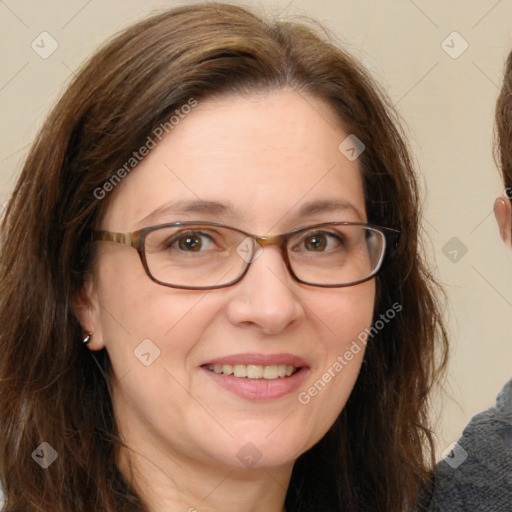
x: 266, y: 164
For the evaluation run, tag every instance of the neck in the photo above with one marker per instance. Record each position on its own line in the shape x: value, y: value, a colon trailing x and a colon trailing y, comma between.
x: 179, y: 483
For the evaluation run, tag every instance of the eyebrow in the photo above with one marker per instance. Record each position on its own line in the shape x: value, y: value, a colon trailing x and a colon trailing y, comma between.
x: 326, y: 206
x: 174, y: 208
x: 215, y: 208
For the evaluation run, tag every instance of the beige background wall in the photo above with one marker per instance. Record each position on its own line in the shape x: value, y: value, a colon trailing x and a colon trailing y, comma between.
x: 447, y: 103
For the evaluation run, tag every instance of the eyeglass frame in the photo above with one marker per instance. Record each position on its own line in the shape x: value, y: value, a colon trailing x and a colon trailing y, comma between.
x: 136, y: 239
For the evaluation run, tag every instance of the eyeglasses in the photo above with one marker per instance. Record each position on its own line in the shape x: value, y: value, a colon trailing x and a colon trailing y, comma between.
x: 206, y: 255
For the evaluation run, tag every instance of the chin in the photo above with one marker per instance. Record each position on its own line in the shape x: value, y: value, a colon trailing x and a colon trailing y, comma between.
x: 259, y: 449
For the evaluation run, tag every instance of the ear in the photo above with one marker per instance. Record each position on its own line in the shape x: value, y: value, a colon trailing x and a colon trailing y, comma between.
x: 86, y: 307
x: 503, y: 214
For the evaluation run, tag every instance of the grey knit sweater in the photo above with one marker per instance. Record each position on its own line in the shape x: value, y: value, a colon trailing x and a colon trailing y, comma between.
x: 476, y: 476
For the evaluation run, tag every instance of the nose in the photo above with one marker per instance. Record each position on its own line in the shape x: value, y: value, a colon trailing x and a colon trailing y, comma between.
x: 266, y: 298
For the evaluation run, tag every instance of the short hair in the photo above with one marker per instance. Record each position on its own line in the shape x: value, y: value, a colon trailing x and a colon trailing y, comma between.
x: 504, y: 128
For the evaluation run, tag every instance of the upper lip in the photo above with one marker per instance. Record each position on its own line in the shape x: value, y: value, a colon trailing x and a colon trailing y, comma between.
x: 260, y: 360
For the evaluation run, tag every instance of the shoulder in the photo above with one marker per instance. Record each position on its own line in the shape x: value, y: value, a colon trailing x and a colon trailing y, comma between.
x: 477, y: 474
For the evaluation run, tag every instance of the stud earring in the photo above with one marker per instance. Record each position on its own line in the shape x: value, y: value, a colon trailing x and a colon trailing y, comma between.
x: 87, y: 338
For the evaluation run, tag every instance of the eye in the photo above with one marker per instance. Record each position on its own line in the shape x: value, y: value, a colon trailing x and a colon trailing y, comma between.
x: 190, y: 242
x: 321, y: 241
x: 316, y: 242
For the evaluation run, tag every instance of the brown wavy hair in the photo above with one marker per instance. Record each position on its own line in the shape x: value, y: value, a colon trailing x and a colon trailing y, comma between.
x: 379, y: 453
x: 504, y: 128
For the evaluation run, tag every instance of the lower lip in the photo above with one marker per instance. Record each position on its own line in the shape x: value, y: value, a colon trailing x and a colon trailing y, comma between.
x: 259, y: 389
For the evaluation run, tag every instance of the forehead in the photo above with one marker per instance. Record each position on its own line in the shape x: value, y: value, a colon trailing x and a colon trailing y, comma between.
x: 258, y: 161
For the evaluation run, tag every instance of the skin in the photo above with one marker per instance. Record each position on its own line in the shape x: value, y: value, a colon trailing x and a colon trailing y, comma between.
x: 267, y: 155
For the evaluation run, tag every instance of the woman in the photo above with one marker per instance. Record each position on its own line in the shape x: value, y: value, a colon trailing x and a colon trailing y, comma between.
x: 271, y: 342
x: 477, y: 474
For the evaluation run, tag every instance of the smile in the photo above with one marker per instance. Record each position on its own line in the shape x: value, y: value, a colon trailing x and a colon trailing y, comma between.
x: 254, y: 371
x: 258, y: 377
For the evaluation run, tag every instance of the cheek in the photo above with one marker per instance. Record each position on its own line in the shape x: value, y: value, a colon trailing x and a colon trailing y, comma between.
x: 150, y: 333
x: 140, y: 317
x: 344, y: 318
x: 342, y: 314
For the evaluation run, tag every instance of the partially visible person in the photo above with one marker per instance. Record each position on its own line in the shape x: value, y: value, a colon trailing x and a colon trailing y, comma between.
x: 476, y: 475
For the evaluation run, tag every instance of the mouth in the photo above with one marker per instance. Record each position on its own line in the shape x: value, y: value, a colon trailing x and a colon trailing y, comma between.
x: 258, y: 377
x: 254, y: 371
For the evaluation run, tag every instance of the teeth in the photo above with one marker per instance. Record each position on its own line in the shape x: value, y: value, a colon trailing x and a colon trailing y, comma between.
x: 270, y: 372
x: 254, y: 371
x: 227, y: 369
x: 240, y: 370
